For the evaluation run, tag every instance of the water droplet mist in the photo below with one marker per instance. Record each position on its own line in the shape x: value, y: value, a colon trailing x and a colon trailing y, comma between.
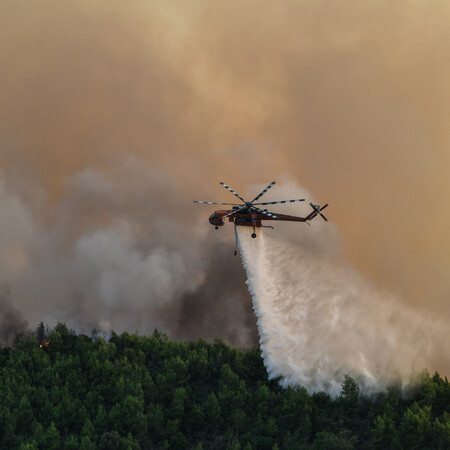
x: 318, y: 319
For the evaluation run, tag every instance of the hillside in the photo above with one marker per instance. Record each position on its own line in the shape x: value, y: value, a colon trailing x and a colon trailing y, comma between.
x: 149, y: 392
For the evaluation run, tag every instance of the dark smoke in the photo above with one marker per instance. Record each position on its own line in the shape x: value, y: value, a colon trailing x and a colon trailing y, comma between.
x: 12, y: 324
x: 220, y: 307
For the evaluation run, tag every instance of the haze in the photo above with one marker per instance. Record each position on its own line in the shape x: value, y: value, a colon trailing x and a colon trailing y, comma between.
x: 116, y: 115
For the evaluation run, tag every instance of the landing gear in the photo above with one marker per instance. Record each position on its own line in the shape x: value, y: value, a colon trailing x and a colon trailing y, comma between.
x: 253, y: 235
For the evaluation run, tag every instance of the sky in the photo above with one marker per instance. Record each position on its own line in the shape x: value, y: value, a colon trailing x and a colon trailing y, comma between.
x: 115, y: 115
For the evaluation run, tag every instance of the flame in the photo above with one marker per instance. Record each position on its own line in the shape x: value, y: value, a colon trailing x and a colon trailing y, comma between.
x: 45, y: 343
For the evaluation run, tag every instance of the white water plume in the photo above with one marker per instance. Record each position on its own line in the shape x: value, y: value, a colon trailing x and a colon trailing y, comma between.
x: 319, y: 320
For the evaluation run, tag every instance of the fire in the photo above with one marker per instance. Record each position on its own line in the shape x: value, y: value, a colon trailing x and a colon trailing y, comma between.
x: 45, y: 343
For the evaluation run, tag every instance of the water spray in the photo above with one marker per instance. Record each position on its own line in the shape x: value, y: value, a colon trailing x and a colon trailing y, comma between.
x: 319, y: 321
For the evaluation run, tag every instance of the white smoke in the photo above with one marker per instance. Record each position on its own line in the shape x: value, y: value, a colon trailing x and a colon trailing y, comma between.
x: 123, y: 249
x: 319, y: 320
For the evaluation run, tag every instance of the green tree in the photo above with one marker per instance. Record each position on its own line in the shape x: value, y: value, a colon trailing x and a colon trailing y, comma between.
x: 441, y: 432
x: 155, y: 417
x: 349, y: 405
x: 37, y: 431
x: 101, y: 420
x: 111, y: 440
x: 212, y: 410
x: 341, y: 441
x: 149, y: 391
x: 416, y: 427
x: 384, y: 432
x: 51, y: 439
x: 350, y: 393
x: 71, y: 443
x: 40, y: 333
x: 231, y: 392
x: 24, y: 416
x: 28, y: 446
x: 87, y: 444
x: 88, y: 429
x: 128, y: 417
x: 176, y: 409
x: 195, y: 419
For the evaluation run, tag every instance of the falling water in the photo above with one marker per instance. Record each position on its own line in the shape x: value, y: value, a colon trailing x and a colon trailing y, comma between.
x: 319, y: 320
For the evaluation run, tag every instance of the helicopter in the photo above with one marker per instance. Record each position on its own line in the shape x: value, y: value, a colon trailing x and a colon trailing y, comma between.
x: 250, y: 214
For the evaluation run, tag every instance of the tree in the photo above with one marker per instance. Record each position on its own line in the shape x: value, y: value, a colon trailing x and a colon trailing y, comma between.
x: 28, y: 446
x: 100, y: 422
x: 87, y: 444
x: 88, y: 429
x: 416, y: 427
x: 195, y: 419
x: 350, y: 392
x: 128, y: 417
x: 176, y: 409
x: 231, y: 391
x: 212, y: 410
x: 155, y: 417
x: 40, y: 333
x: 71, y: 443
x: 37, y: 431
x: 441, y: 431
x: 341, y: 441
x: 51, y: 439
x: 384, y: 433
x: 349, y: 405
x: 24, y: 416
x: 153, y: 392
x: 111, y: 440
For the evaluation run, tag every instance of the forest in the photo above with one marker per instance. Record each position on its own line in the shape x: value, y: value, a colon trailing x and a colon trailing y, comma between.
x: 68, y: 391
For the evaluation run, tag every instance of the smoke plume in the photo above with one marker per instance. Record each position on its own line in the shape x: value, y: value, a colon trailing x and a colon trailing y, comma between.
x: 104, y: 260
x: 114, y: 116
x: 11, y: 322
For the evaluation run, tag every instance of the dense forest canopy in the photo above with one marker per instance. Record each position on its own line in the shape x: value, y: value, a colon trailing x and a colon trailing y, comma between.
x: 67, y: 391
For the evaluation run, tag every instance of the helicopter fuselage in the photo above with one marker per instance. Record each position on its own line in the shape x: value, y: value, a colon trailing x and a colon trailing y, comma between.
x: 249, y: 218
x: 242, y: 218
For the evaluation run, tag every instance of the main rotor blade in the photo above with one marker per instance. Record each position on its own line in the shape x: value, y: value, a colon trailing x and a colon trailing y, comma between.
x: 281, y: 201
x: 233, y: 212
x: 321, y: 209
x: 263, y: 192
x: 267, y: 213
x: 215, y: 203
x: 231, y: 190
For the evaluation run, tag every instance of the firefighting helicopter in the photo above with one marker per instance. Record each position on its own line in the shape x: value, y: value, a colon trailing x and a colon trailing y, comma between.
x: 250, y: 215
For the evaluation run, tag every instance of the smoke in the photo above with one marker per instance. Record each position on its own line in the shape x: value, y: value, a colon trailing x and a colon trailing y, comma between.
x: 104, y: 260
x: 12, y: 323
x: 115, y: 116
x: 319, y: 319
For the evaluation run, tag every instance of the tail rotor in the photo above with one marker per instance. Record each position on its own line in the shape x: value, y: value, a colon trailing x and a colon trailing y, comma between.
x: 318, y: 210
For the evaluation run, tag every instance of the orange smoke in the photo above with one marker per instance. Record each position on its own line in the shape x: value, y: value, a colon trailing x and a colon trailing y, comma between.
x: 349, y: 99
